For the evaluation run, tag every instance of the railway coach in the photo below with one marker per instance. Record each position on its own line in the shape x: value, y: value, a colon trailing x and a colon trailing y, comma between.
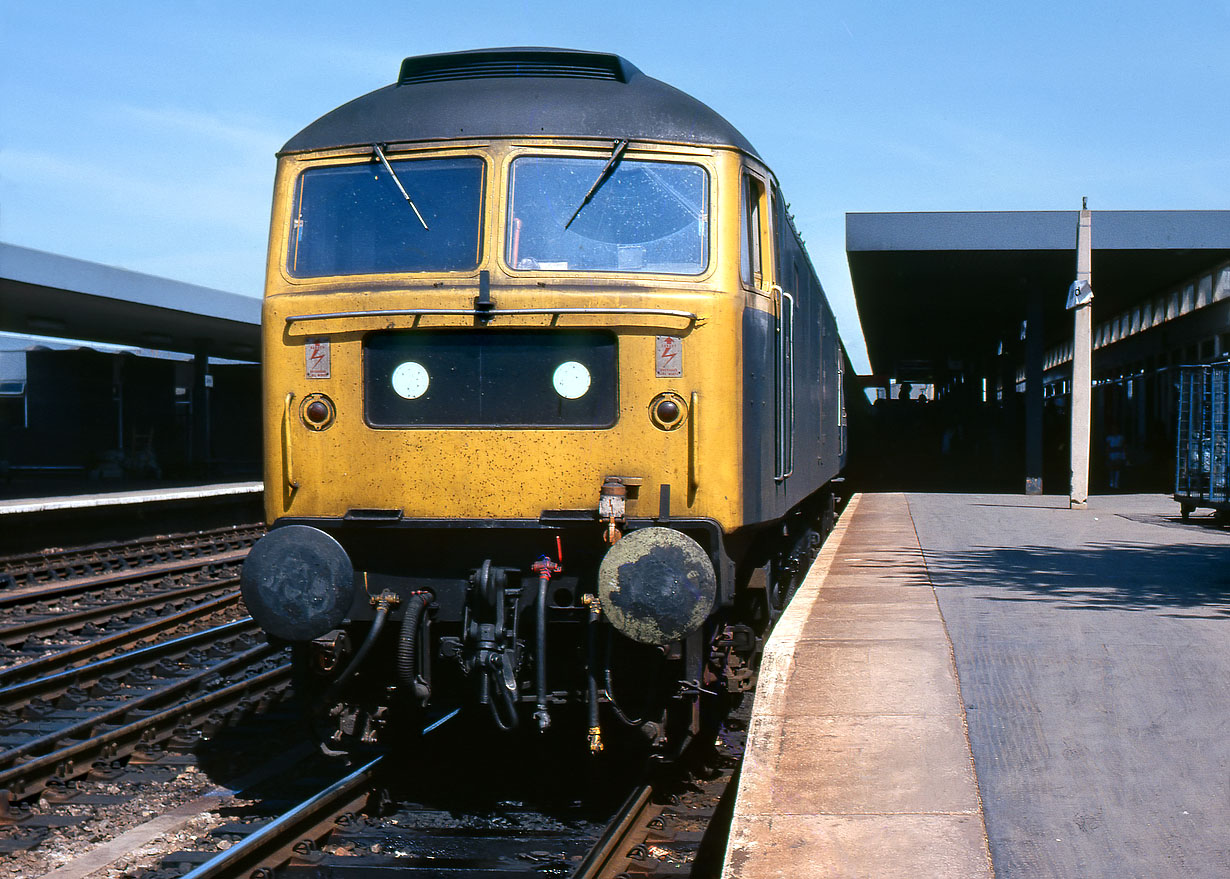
x: 553, y: 402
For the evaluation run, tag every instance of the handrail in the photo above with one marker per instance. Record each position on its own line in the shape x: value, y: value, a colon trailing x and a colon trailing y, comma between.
x: 783, y: 465
x: 288, y: 469
x: 788, y: 461
x: 689, y: 316
x: 694, y: 444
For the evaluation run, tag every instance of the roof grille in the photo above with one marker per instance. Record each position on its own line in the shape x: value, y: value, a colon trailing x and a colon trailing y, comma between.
x: 504, y: 63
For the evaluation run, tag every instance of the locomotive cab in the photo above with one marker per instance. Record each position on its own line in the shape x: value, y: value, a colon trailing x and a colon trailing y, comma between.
x: 535, y: 401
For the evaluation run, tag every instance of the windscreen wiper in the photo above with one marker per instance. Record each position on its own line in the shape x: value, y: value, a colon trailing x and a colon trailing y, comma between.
x: 616, y: 154
x: 393, y: 174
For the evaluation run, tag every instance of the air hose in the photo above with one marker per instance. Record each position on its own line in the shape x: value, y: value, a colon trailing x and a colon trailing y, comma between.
x: 408, y: 645
x: 610, y: 688
x: 506, y: 718
x: 382, y: 611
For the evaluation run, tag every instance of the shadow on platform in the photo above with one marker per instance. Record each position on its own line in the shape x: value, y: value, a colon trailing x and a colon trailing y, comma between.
x: 1106, y: 576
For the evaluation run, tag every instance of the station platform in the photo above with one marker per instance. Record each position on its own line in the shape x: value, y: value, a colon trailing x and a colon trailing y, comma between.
x: 32, y: 524
x: 1079, y: 657
x: 857, y: 761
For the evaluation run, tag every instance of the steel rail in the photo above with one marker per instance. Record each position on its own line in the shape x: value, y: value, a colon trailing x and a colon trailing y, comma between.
x: 83, y: 727
x: 274, y: 843
x: 121, y: 555
x: 52, y: 623
x: 29, y: 777
x: 606, y: 849
x: 30, y: 594
x: 86, y: 675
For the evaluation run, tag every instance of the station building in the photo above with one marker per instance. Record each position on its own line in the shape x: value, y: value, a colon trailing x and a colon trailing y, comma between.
x: 971, y: 309
x: 110, y: 378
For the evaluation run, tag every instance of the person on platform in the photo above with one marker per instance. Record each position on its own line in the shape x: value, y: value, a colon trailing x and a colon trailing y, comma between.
x: 1116, y: 456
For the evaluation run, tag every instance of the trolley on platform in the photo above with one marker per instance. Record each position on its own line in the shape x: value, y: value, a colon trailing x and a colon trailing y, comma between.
x: 1201, y: 466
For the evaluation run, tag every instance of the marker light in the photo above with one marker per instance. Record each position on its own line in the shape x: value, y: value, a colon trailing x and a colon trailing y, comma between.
x: 571, y: 380
x: 410, y: 380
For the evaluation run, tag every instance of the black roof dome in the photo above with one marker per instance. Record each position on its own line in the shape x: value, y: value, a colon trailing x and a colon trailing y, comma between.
x: 520, y: 91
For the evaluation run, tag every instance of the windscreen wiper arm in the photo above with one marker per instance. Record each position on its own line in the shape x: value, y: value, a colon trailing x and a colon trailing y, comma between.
x: 393, y: 174
x: 616, y: 154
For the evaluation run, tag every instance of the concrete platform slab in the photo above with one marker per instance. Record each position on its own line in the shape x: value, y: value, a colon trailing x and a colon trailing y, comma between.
x: 891, y: 676
x: 799, y: 846
x: 877, y: 764
x: 857, y: 762
x: 841, y: 624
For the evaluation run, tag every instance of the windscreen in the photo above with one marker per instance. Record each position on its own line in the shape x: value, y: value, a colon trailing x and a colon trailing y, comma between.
x: 566, y: 214
x: 425, y: 216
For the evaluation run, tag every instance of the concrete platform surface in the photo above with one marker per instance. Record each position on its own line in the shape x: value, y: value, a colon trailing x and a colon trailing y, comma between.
x: 1093, y: 648
x: 857, y: 760
x: 1093, y: 652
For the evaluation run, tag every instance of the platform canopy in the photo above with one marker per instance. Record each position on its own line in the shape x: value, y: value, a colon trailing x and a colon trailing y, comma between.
x: 937, y: 288
x: 46, y: 294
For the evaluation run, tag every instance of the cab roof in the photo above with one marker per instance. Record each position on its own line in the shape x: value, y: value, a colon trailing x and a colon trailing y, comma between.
x: 513, y: 92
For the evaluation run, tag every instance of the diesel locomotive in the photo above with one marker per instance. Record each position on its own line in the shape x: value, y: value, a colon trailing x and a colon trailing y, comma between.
x: 553, y: 404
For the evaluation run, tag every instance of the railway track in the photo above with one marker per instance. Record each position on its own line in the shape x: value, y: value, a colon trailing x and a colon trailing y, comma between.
x: 114, y: 681
x: 51, y: 565
x: 64, y: 738
x: 427, y: 815
x: 380, y: 820
x: 65, y: 621
x: 156, y: 794
x: 102, y: 642
x: 95, y: 666
x: 48, y: 629
x: 51, y: 676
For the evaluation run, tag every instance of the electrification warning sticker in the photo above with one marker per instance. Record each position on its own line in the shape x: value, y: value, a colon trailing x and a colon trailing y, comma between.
x: 668, y: 362
x: 317, y: 353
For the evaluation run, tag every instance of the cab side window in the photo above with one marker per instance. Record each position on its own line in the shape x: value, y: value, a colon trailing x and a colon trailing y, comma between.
x: 750, y: 265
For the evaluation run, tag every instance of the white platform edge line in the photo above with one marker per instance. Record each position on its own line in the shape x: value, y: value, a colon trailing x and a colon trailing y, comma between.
x: 41, y: 505
x: 778, y: 659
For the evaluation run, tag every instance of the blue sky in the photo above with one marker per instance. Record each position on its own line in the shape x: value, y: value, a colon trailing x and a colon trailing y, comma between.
x: 142, y: 134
